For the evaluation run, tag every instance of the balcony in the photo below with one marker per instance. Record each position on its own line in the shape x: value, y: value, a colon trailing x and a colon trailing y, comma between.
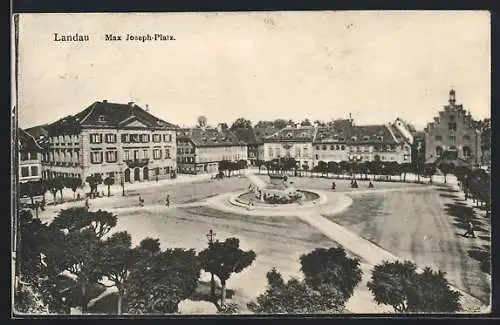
x: 132, y: 163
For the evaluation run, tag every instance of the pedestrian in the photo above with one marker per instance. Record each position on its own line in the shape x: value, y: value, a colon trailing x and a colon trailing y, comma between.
x: 141, y: 201
x: 470, y: 230
x: 87, y: 203
x: 370, y: 184
x: 333, y: 186
x: 167, y: 200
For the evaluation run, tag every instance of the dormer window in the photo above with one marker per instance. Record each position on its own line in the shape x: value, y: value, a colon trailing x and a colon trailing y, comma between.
x: 353, y: 139
x: 379, y: 138
x: 101, y: 118
x: 366, y: 138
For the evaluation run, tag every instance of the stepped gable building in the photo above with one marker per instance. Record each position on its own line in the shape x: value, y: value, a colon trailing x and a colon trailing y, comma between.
x: 30, y: 157
x: 122, y: 141
x: 454, y: 130
x: 344, y: 141
x: 248, y: 136
x: 199, y: 150
x: 291, y: 142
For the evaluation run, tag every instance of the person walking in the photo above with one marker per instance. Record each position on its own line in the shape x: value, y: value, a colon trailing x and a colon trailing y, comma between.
x: 470, y: 229
x: 167, y: 200
x: 333, y: 186
x: 87, y: 203
x: 141, y: 201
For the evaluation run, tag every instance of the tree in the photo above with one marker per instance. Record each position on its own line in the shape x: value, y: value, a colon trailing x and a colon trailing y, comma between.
x: 223, y: 259
x: 446, y: 169
x: 150, y: 245
x: 201, y: 121
x: 157, y: 284
x: 94, y: 181
x: 241, y: 164
x: 31, y: 189
x: 117, y: 260
x: 306, y: 122
x: 71, y: 219
x: 319, y: 123
x: 429, y: 171
x: 241, y: 122
x: 398, y: 284
x: 405, y: 169
x: 280, y: 123
x: 55, y: 185
x: 108, y: 181
x: 295, y: 296
x: 332, y: 167
x: 80, y: 254
x: 331, y: 268
x: 101, y: 222
x: 61, y: 183
x: 259, y: 163
x: 322, y: 167
x: 74, y: 183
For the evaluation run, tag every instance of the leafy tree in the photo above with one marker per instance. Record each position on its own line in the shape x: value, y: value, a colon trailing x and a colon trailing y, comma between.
x: 55, y: 185
x: 61, y: 184
x: 94, y: 181
x: 150, y: 245
x: 32, y: 189
x: 71, y: 219
x: 398, y: 284
x: 74, y: 183
x: 108, y: 181
x: 201, y: 121
x: 157, y: 284
x: 241, y: 122
x: 117, y: 259
x: 322, y: 167
x: 101, y: 222
x: 79, y: 253
x: 405, y: 169
x: 319, y: 123
x: 280, y: 123
x: 429, y: 171
x: 332, y: 167
x: 446, y: 169
x: 223, y: 259
x: 260, y: 163
x: 241, y: 164
x: 295, y: 296
x: 306, y: 122
x: 331, y: 268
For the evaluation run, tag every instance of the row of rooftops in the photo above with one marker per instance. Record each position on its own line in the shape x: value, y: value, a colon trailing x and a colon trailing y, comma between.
x: 105, y: 114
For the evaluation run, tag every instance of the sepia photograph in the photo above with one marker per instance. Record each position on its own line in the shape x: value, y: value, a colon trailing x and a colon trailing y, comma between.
x: 251, y: 163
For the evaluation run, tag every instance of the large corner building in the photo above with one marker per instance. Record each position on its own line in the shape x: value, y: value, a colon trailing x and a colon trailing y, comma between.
x: 122, y: 141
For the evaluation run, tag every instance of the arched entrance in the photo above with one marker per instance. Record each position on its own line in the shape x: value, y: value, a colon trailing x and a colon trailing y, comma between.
x: 145, y: 173
x: 127, y: 175
x: 137, y: 174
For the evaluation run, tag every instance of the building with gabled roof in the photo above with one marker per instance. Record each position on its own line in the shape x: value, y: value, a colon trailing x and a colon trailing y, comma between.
x: 200, y: 149
x: 122, y: 141
x: 453, y: 129
x: 349, y: 142
x: 30, y: 157
x: 291, y: 142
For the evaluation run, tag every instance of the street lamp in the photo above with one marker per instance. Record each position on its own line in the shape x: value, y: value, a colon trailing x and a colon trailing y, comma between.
x: 210, y: 236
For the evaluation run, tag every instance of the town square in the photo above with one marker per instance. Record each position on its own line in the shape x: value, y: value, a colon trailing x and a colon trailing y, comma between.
x: 123, y: 207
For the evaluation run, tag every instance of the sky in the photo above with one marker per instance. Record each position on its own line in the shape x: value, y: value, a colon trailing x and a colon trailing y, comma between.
x: 321, y: 65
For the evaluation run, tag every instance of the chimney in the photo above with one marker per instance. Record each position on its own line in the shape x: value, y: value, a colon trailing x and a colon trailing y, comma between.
x: 147, y: 108
x: 104, y: 101
x: 131, y: 104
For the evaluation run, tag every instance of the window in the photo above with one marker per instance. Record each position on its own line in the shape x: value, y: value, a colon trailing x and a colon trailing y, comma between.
x: 125, y: 138
x: 136, y: 154
x: 317, y: 157
x: 145, y: 154
x: 101, y: 118
x: 452, y: 126
x: 167, y: 153
x: 317, y: 147
x: 110, y: 138
x: 297, y: 152
x: 439, y: 151
x: 156, y: 138
x: 25, y: 171
x: 466, y: 137
x: 111, y: 156
x: 466, y: 152
x: 144, y: 138
x: 167, y: 138
x: 96, y: 157
x: 451, y: 138
x: 406, y: 157
x: 134, y: 138
x: 332, y: 147
x: 342, y: 147
x: 156, y: 153
x: 95, y: 138
x: 439, y: 138
x: 126, y: 155
x: 270, y: 152
x: 324, y: 147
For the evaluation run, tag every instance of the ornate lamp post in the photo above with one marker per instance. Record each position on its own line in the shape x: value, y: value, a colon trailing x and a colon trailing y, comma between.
x: 210, y: 236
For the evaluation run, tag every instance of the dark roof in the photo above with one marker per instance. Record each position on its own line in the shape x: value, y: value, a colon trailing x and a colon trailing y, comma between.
x: 291, y: 134
x: 209, y: 137
x: 38, y: 131
x: 246, y: 135
x: 27, y: 142
x: 357, y: 134
x: 106, y: 114
x: 262, y: 132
